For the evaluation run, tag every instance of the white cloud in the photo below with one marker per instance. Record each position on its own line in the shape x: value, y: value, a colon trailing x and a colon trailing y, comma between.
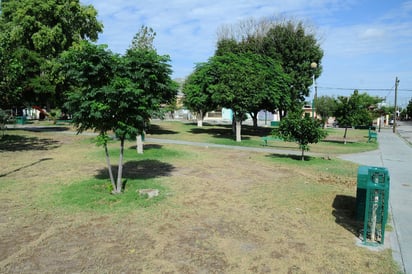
x: 359, y: 50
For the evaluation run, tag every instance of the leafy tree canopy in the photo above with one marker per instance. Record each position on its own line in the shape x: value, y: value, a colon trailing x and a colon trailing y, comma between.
x: 302, y: 130
x: 292, y: 44
x: 245, y: 80
x: 355, y: 110
x: 198, y: 96
x: 409, y: 109
x: 115, y: 93
x: 325, y: 107
x: 32, y: 35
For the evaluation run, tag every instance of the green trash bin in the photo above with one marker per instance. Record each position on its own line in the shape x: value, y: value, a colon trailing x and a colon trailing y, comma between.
x: 372, y: 202
x: 21, y: 120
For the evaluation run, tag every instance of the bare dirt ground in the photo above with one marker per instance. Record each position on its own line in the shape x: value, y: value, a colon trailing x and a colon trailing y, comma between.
x: 225, y: 212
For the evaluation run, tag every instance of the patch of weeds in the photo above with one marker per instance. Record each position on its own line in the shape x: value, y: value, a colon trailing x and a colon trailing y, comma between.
x: 95, y: 195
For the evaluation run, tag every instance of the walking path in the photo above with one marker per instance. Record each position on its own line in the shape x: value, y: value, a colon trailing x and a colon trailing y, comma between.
x: 395, y: 153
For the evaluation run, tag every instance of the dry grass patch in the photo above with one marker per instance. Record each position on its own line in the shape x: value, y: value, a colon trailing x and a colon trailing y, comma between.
x: 223, y: 211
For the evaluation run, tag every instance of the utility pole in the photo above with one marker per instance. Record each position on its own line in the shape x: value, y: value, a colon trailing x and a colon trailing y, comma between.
x: 396, y: 102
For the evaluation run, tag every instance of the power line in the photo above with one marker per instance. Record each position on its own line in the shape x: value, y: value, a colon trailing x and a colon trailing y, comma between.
x: 351, y: 89
x: 365, y: 89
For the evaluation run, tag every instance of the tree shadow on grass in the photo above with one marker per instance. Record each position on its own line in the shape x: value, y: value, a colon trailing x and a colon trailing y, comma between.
x: 148, y: 147
x: 342, y: 142
x: 225, y: 131
x: 143, y: 169
x: 158, y: 130
x: 25, y: 143
x: 26, y: 166
x: 295, y: 157
x: 344, y: 212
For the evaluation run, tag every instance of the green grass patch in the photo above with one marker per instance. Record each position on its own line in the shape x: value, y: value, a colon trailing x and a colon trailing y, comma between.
x: 140, y: 171
x: 333, y: 166
x: 357, y: 140
x: 94, y: 194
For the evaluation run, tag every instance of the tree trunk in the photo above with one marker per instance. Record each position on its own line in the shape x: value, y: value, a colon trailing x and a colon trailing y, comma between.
x: 139, y: 144
x: 303, y: 154
x: 119, y: 184
x: 344, y: 135
x: 199, y: 117
x: 234, y: 124
x: 238, y: 131
x: 254, y: 116
x: 109, y: 167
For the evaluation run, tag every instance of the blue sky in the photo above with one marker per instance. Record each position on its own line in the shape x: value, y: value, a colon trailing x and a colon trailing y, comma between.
x: 366, y: 43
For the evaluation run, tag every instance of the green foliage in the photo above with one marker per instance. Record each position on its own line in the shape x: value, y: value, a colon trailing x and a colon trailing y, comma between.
x: 4, y: 117
x: 325, y: 107
x: 115, y: 93
x: 198, y: 95
x: 356, y: 110
x: 33, y: 33
x: 409, y: 109
x: 244, y: 82
x: 302, y: 130
x: 290, y: 43
x: 296, y: 49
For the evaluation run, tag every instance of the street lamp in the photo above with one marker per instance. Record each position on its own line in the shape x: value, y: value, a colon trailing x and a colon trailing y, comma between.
x: 314, y: 66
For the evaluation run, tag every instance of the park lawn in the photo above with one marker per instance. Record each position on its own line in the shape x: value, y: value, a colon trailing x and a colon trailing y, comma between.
x: 357, y: 140
x: 219, y: 211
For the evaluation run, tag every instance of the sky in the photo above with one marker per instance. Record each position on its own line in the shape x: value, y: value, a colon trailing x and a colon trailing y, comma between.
x: 366, y: 43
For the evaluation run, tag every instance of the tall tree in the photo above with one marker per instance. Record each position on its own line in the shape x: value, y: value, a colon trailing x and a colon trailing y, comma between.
x: 291, y: 43
x: 296, y: 48
x: 243, y: 82
x: 116, y: 93
x: 34, y: 33
x: 198, y: 96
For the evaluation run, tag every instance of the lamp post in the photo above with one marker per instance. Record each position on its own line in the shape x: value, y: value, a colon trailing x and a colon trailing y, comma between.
x: 314, y: 66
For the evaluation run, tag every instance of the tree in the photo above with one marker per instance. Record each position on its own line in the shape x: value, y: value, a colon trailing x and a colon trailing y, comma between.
x: 144, y: 39
x: 115, y: 93
x: 198, y: 96
x: 10, y: 72
x: 33, y: 34
x: 296, y: 48
x: 355, y: 110
x: 409, y: 109
x: 244, y: 82
x: 302, y: 130
x: 325, y: 107
x: 292, y: 44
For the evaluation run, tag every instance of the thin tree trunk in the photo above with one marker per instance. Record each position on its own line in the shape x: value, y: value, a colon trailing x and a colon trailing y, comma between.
x: 238, y: 131
x: 139, y: 144
x: 119, y: 184
x: 303, y: 154
x: 344, y: 135
x: 200, y: 119
x: 109, y: 166
x: 254, y: 116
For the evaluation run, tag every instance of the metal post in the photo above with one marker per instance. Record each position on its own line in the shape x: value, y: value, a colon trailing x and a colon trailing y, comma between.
x: 314, y: 66
x: 396, y: 102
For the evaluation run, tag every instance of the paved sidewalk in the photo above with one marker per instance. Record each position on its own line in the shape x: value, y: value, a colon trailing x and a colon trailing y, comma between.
x: 395, y: 153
